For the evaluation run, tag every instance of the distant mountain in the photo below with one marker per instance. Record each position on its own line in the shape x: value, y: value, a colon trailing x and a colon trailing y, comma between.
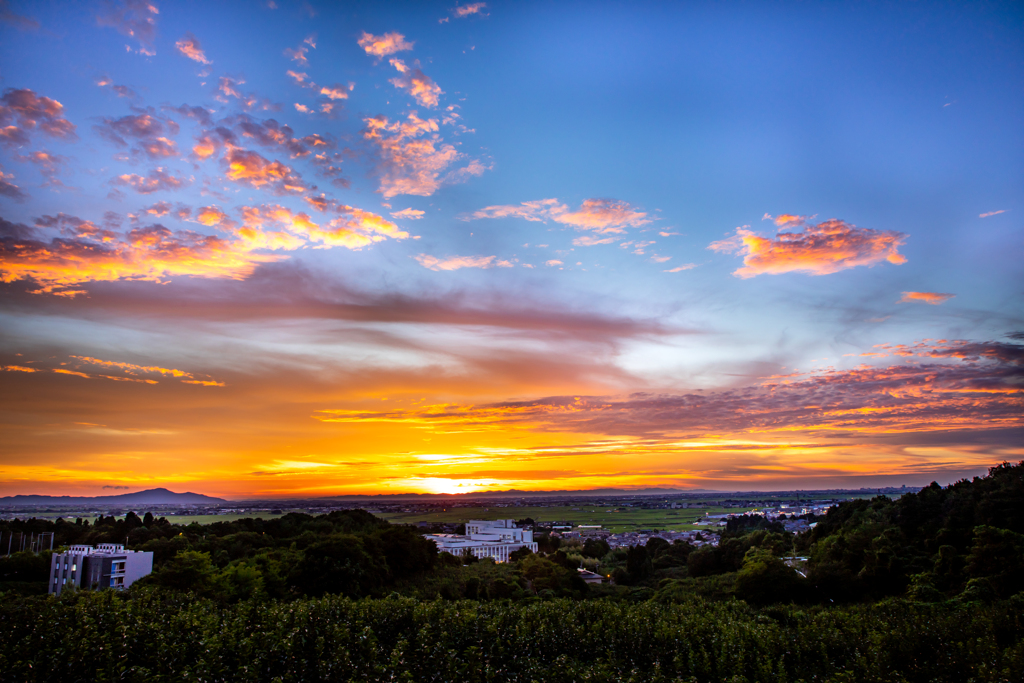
x: 150, y: 497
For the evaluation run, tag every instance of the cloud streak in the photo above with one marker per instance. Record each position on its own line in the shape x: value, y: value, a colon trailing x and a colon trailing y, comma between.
x: 983, y: 391
x: 933, y: 298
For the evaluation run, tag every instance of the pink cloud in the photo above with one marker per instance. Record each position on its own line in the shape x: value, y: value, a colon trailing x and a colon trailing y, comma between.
x: 408, y: 214
x: 188, y: 45
x: 418, y: 84
x: 463, y: 11
x: 411, y: 156
x: 600, y: 216
x: 458, y: 262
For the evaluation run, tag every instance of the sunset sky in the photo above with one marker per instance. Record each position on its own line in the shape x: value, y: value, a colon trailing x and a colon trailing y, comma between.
x: 263, y: 249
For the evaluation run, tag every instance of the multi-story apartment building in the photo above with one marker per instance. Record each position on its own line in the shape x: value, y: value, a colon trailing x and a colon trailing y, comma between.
x: 106, y: 566
x: 497, y: 539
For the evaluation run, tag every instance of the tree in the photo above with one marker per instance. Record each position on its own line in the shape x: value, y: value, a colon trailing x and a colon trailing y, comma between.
x: 596, y: 548
x: 765, y: 578
x: 340, y: 564
x: 189, y: 570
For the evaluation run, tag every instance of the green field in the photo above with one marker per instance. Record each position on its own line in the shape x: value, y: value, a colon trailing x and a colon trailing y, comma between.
x: 611, y: 519
x: 625, y: 519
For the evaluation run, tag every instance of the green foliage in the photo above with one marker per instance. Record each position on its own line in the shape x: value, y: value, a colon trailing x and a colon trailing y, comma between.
x: 765, y: 578
x: 159, y: 636
x: 929, y: 545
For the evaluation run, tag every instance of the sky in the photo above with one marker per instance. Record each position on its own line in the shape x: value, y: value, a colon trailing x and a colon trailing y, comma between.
x: 288, y: 249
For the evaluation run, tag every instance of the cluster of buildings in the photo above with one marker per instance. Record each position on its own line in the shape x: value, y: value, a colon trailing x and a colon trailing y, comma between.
x: 107, y: 565
x: 497, y: 539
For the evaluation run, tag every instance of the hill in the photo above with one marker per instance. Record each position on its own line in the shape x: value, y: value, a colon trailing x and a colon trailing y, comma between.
x: 149, y: 497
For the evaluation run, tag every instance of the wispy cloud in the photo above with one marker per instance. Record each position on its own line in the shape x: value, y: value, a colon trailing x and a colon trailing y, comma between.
x: 991, y: 213
x: 157, y: 180
x: 607, y: 219
x: 135, y: 18
x: 9, y: 189
x: 408, y: 214
x: 819, y: 249
x: 119, y: 90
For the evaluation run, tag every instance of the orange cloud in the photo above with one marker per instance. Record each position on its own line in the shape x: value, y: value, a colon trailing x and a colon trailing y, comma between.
x: 335, y: 92
x: 353, y: 229
x: 159, y: 209
x: 822, y: 249
x: 188, y: 45
x: 133, y: 369
x: 22, y: 111
x: 156, y: 181
x: 418, y: 84
x: 457, y: 262
x: 250, y: 168
x: 151, y: 253
x: 933, y: 298
x: 211, y: 216
x: 983, y: 392
x: 382, y: 46
x: 411, y: 156
x: 18, y: 368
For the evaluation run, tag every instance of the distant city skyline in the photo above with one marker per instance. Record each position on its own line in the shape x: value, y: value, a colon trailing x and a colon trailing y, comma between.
x: 301, y: 249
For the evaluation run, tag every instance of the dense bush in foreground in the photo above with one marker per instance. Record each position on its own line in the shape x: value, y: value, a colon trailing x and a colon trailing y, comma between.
x: 158, y: 636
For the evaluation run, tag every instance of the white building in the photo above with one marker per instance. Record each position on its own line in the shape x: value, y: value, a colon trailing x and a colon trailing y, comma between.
x: 106, y: 566
x: 497, y: 539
